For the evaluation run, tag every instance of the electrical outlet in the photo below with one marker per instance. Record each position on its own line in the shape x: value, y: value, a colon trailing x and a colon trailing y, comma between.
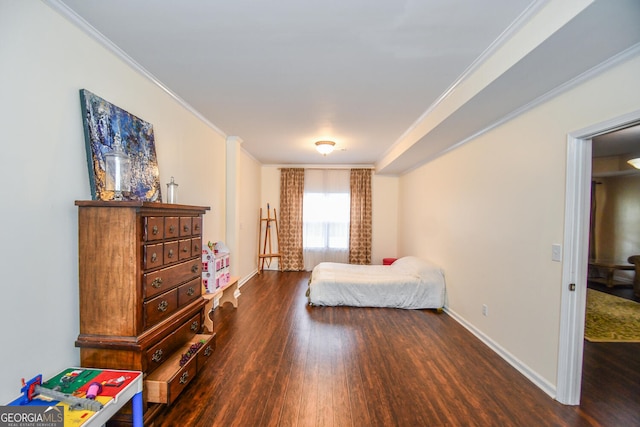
x: 485, y: 310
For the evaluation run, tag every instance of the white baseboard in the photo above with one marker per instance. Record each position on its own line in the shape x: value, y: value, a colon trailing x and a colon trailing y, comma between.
x: 247, y: 278
x: 525, y: 370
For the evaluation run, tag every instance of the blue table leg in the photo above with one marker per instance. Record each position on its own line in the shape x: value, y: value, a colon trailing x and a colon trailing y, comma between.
x: 136, y: 401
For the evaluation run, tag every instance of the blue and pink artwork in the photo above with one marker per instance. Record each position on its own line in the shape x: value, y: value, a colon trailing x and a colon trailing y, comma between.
x: 103, y: 123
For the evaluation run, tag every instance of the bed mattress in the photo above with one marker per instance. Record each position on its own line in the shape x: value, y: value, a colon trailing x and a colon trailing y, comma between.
x: 410, y: 283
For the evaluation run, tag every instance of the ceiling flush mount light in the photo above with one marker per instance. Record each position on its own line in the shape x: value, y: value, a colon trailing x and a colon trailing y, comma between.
x: 634, y: 162
x: 325, y: 147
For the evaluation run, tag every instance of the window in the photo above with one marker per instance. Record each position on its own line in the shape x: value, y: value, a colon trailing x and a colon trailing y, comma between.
x: 326, y: 220
x: 326, y: 206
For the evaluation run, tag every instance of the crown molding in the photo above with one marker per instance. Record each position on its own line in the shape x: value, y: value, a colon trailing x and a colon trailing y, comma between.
x: 499, y: 42
x: 615, y: 60
x: 96, y: 35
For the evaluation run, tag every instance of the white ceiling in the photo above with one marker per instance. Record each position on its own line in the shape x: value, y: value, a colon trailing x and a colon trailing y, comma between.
x: 281, y: 75
x: 621, y: 142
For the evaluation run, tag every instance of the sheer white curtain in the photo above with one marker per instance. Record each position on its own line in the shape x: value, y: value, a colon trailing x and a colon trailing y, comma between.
x: 325, y: 216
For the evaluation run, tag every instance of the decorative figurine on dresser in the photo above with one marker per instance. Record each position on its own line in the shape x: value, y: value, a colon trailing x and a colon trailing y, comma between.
x: 141, y: 304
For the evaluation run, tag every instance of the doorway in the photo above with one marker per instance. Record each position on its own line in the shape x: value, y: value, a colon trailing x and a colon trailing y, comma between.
x: 576, y: 243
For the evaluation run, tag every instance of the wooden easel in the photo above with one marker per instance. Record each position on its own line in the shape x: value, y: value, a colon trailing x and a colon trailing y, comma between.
x: 265, y: 248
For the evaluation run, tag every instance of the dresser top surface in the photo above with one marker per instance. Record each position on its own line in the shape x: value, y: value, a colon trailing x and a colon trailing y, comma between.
x: 136, y: 204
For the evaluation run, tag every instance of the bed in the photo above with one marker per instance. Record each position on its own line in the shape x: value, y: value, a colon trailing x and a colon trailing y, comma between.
x: 410, y: 283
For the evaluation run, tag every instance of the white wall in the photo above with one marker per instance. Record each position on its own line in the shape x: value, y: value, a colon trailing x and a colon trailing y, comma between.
x: 242, y: 195
x: 384, y: 220
x: 45, y: 62
x: 617, y: 219
x: 249, y: 206
x: 489, y: 211
x: 269, y: 194
x: 270, y: 189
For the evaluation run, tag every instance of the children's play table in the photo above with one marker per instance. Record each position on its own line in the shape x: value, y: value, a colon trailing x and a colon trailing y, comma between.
x: 114, y: 389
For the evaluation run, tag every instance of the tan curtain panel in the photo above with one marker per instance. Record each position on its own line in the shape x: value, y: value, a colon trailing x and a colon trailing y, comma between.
x: 360, y: 226
x: 290, y: 238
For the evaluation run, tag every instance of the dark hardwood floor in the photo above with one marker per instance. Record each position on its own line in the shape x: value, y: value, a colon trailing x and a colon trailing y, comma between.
x: 280, y: 362
x: 611, y: 373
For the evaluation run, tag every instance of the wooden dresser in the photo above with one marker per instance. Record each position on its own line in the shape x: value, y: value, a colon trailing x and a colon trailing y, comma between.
x: 141, y: 304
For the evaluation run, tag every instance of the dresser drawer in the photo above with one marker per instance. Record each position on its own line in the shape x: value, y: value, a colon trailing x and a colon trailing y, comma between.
x: 161, y: 280
x: 189, y: 292
x: 171, y: 227
x: 159, y: 353
x: 196, y: 246
x: 153, y: 255
x: 153, y: 228
x: 166, y: 383
x: 206, y: 351
x: 185, y: 249
x: 161, y: 389
x: 171, y: 253
x: 160, y: 307
x: 196, y: 225
x: 185, y: 226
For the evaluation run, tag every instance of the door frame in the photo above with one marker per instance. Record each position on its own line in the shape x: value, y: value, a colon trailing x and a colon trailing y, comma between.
x: 576, y: 248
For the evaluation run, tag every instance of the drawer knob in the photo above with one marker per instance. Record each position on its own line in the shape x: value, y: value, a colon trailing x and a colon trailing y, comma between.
x: 197, y: 248
x: 185, y: 228
x: 194, y: 269
x: 170, y: 254
x: 195, y: 326
x: 191, y: 291
x: 157, y: 356
x: 184, y: 377
x: 184, y: 249
x: 196, y: 227
x: 207, y: 351
x: 163, y: 306
x: 172, y: 229
x: 154, y: 230
x: 157, y: 282
x: 154, y: 257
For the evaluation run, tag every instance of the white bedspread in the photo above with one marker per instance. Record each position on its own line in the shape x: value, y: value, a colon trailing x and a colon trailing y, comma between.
x: 409, y: 282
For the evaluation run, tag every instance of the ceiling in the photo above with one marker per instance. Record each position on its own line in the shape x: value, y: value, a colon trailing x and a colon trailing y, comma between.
x: 619, y: 143
x: 364, y: 73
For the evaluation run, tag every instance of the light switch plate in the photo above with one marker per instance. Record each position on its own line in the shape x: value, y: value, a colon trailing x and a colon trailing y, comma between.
x: 556, y: 252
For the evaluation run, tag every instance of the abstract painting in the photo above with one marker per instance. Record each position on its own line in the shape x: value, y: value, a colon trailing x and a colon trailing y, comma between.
x: 104, y: 122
